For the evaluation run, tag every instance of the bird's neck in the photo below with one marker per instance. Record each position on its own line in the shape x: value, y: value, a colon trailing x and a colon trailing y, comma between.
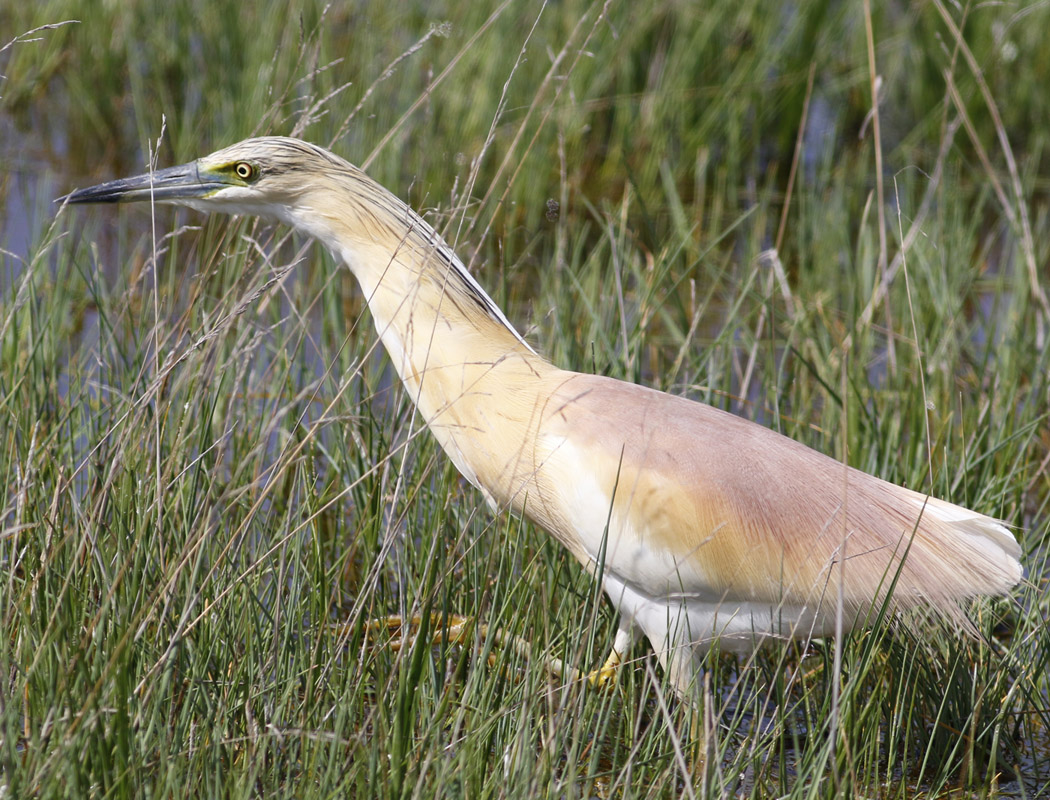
x: 458, y: 357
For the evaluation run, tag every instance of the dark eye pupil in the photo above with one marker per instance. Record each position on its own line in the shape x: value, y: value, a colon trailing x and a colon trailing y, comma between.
x: 244, y: 170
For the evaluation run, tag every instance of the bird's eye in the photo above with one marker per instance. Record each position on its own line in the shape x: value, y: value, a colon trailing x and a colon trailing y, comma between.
x: 244, y: 170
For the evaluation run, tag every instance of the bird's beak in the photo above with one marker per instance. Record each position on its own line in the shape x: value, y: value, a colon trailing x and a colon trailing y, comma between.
x: 174, y: 184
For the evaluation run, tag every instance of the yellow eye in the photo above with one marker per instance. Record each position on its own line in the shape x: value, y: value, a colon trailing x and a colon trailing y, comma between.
x: 244, y: 170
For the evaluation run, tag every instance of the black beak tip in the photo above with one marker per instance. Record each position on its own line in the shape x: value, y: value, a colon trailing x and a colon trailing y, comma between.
x: 74, y: 197
x: 93, y: 194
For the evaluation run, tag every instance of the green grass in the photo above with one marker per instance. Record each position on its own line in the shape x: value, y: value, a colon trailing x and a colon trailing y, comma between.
x: 213, y: 480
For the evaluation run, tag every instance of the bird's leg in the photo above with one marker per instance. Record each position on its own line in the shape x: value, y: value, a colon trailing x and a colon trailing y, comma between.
x: 607, y: 673
x: 455, y: 629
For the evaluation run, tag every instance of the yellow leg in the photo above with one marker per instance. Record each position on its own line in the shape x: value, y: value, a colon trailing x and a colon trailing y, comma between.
x: 454, y: 629
x: 607, y: 673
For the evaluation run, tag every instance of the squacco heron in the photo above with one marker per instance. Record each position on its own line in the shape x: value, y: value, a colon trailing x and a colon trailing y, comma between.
x: 702, y: 526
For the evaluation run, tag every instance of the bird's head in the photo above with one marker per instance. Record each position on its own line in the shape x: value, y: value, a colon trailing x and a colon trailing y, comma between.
x: 317, y: 192
x: 265, y: 177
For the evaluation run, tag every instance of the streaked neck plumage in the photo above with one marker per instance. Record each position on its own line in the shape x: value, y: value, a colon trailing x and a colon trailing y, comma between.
x: 450, y: 343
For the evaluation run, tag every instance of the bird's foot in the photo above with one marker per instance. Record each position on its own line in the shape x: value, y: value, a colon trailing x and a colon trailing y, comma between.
x: 606, y: 675
x: 445, y: 628
x: 456, y: 629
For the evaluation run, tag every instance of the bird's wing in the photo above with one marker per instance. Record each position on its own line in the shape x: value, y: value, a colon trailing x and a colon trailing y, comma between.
x: 677, y: 497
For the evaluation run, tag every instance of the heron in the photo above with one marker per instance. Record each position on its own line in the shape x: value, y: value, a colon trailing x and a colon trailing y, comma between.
x: 702, y: 527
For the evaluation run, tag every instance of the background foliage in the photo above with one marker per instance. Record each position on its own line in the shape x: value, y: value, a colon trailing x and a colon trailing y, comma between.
x: 213, y: 481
